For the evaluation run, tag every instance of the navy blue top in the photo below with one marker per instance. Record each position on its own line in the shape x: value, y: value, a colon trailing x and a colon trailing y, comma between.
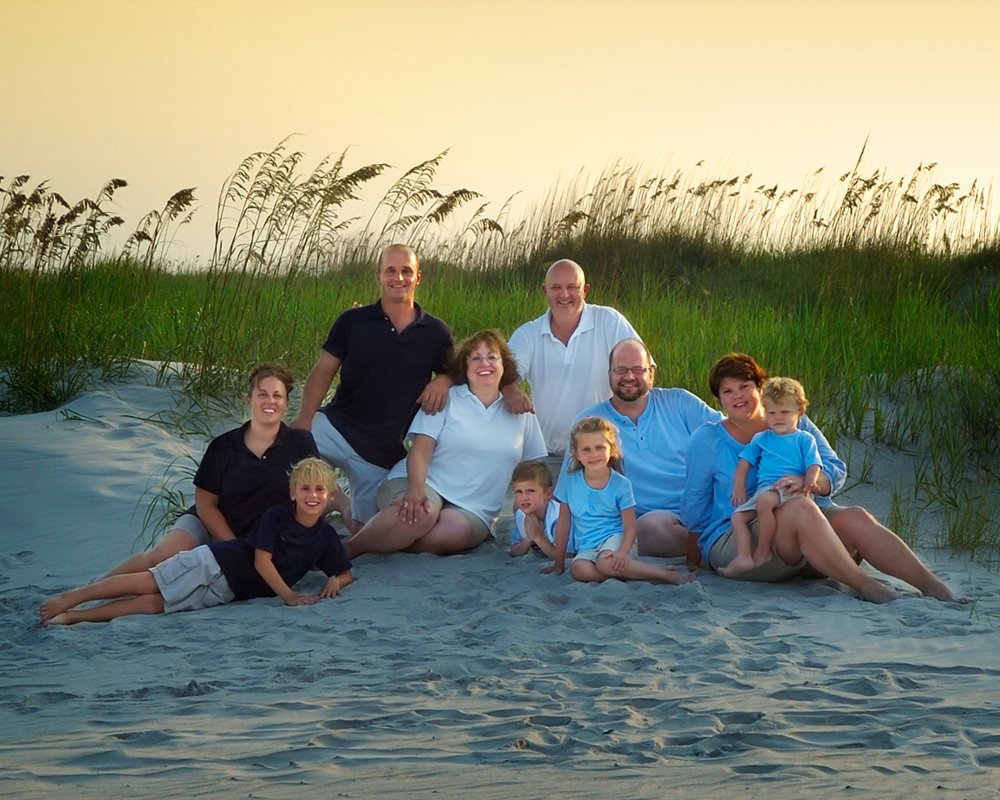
x: 294, y: 548
x: 247, y: 485
x: 382, y: 373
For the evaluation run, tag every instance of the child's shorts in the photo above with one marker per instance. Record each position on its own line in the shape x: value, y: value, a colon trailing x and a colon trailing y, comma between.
x: 610, y: 544
x: 751, y: 504
x: 190, y: 580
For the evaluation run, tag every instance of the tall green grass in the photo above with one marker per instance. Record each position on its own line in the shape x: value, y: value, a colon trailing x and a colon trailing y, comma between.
x: 881, y: 295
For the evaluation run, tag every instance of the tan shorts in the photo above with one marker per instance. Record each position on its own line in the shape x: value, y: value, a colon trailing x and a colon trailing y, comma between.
x: 394, y: 488
x: 774, y: 571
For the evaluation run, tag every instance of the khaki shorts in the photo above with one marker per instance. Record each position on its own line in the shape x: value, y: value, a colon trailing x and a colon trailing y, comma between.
x: 190, y: 580
x: 774, y: 571
x: 395, y: 488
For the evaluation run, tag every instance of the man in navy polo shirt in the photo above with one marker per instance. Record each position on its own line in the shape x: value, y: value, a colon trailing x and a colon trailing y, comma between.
x: 385, y: 353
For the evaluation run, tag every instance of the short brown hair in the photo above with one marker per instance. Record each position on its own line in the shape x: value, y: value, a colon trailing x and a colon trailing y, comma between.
x: 270, y: 370
x: 532, y: 471
x: 494, y: 339
x: 738, y: 366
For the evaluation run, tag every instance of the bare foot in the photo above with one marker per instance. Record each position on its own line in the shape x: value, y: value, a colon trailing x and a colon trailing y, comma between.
x: 59, y: 619
x: 875, y: 592
x: 937, y: 589
x: 54, y: 606
x: 682, y: 576
x: 759, y: 559
x: 737, y: 566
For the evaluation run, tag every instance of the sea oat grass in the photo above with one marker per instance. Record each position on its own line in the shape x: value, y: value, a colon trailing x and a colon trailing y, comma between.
x: 881, y: 295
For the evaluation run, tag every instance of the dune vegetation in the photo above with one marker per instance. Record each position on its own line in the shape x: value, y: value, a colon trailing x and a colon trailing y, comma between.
x: 880, y: 293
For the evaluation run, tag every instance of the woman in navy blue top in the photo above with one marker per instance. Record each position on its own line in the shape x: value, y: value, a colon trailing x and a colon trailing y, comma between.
x: 242, y: 474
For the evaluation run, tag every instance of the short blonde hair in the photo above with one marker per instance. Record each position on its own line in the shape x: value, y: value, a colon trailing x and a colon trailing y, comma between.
x: 312, y: 470
x: 780, y: 390
x: 596, y: 425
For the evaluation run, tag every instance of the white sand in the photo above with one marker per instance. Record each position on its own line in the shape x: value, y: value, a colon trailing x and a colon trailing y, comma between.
x: 470, y: 676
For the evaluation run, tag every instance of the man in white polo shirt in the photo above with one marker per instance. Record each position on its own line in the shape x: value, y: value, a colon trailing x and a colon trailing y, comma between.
x: 563, y: 355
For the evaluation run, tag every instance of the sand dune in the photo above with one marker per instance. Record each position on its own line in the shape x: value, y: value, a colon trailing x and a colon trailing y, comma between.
x: 470, y: 676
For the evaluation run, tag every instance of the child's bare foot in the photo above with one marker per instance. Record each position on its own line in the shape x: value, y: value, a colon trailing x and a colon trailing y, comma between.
x: 762, y: 558
x: 59, y: 619
x: 876, y: 592
x: 681, y: 576
x: 737, y: 566
x: 54, y: 606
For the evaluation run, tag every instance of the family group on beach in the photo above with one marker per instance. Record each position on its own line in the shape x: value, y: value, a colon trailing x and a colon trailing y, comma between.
x: 605, y: 466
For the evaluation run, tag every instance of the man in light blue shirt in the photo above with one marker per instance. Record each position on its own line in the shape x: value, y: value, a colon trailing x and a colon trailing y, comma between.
x: 654, y: 425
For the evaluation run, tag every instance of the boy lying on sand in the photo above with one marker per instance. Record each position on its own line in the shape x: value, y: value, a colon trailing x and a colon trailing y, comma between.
x: 283, y: 547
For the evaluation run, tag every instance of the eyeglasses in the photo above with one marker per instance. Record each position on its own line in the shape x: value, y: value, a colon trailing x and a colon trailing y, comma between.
x: 492, y: 358
x: 637, y: 371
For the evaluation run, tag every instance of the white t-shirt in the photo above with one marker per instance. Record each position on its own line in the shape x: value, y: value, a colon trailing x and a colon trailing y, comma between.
x: 566, y: 378
x: 476, y: 449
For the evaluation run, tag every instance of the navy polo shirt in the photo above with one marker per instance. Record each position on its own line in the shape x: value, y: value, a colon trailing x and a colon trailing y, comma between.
x: 294, y: 548
x: 247, y: 485
x: 382, y: 373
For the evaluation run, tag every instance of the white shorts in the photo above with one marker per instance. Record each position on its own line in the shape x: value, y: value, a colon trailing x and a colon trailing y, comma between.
x: 362, y: 476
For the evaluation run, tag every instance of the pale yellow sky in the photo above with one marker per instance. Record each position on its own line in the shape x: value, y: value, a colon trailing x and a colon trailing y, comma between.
x: 170, y: 94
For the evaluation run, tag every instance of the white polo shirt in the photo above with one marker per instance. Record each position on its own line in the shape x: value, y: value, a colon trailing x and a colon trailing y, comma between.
x: 566, y: 378
x: 476, y: 449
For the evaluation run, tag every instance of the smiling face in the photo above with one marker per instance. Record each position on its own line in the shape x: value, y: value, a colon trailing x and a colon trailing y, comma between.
x: 398, y: 275
x: 630, y: 374
x: 310, y: 498
x: 484, y: 367
x: 566, y: 291
x: 592, y: 450
x: 268, y: 401
x: 782, y: 415
x: 740, y: 399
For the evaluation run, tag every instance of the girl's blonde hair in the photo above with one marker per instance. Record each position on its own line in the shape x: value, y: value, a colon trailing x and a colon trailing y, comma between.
x: 596, y: 425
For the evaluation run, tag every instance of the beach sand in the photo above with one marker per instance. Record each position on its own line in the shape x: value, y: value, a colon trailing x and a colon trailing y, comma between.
x: 470, y: 676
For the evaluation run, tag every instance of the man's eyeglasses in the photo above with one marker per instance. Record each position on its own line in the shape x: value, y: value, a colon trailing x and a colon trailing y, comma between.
x: 637, y: 371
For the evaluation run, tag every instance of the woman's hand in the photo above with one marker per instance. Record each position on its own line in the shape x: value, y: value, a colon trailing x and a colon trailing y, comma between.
x: 790, y: 484
x: 413, y: 506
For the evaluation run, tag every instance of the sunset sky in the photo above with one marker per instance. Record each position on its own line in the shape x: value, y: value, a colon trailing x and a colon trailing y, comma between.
x: 174, y: 93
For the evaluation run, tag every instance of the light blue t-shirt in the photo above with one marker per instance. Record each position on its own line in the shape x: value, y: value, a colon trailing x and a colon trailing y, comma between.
x: 596, y: 513
x: 712, y: 458
x: 653, y: 448
x: 778, y: 454
x: 549, y: 528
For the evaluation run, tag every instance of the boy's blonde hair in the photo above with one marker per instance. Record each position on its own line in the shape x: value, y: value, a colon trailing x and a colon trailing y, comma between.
x: 532, y: 471
x: 312, y: 470
x: 596, y: 425
x: 779, y: 390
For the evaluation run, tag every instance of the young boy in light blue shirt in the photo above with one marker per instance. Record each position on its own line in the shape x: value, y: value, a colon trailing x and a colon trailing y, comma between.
x: 537, y: 511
